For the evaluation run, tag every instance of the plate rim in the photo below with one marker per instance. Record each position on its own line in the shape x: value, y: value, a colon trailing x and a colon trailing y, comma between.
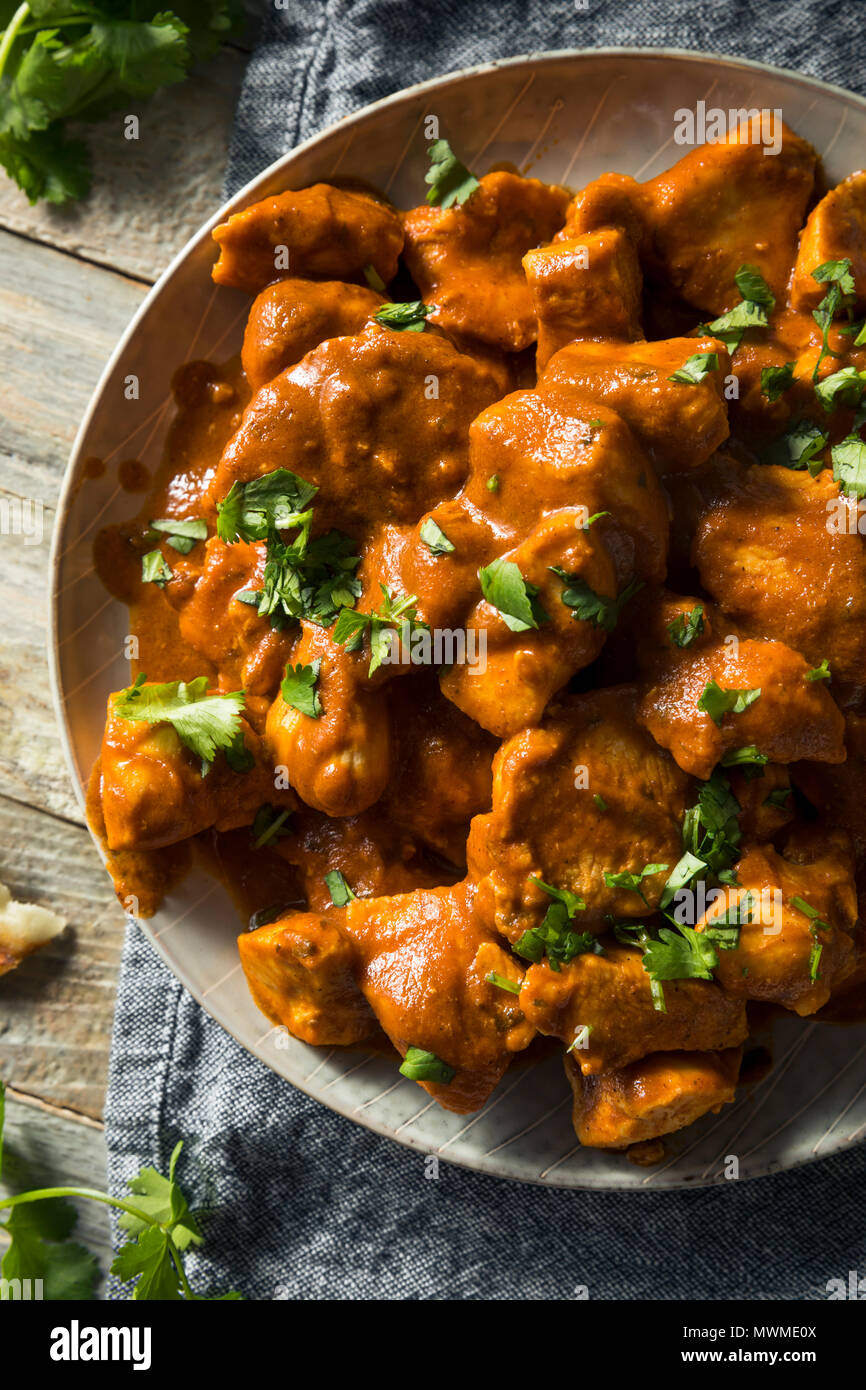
x: 70, y: 479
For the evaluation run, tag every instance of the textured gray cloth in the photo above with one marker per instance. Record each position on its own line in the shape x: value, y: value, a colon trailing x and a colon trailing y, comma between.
x: 299, y: 1202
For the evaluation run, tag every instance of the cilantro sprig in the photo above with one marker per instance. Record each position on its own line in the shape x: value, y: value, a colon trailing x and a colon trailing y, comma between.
x: 752, y: 312
x: 155, y: 1217
x: 205, y: 724
x: 513, y: 597
x: 63, y: 62
x: 696, y: 368
x: 839, y: 297
x: 798, y: 448
x: 420, y: 1065
x: 686, y: 628
x: 397, y: 612
x: 298, y: 688
x: 589, y: 607
x: 555, y: 937
x: 717, y: 701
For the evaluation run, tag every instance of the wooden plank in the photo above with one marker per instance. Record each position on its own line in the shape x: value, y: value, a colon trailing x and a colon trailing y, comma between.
x: 149, y: 195
x: 44, y: 1148
x: 59, y: 321
x: 56, y: 1009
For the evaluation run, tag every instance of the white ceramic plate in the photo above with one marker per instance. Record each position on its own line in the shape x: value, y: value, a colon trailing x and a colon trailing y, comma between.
x: 564, y: 117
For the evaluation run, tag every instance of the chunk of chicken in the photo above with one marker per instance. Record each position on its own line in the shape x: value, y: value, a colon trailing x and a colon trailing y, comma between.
x: 589, y: 288
x: 379, y: 421
x: 584, y: 793
x: 467, y: 259
x: 292, y: 317
x: 319, y: 231
x: 655, y: 1096
x: 719, y: 207
x: 523, y: 669
x: 152, y: 789
x: 377, y: 854
x: 603, y: 1006
x: 780, y: 552
x: 425, y: 958
x: 679, y: 424
x: 785, y: 954
x: 339, y: 761
x: 835, y: 231
x: 791, y: 717
x: 560, y: 449
x: 302, y: 972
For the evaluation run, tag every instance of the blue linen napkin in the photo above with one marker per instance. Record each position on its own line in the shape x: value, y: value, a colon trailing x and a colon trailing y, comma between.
x: 299, y: 1202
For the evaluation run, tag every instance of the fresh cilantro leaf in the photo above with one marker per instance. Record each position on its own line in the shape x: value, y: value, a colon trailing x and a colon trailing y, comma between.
x: 749, y: 756
x: 849, y: 466
x: 686, y: 870
x: 269, y: 825
x: 238, y: 756
x: 148, y: 1259
x: 816, y: 924
x: 711, y: 835
x: 154, y: 569
x: 513, y: 986
x: 717, y: 702
x: 450, y: 181
x: 307, y: 579
x: 299, y: 688
x: 204, y: 723
x: 396, y: 613
x: 275, y: 502
x: 40, y: 1249
x: 632, y: 882
x: 797, y: 448
x: 590, y: 607
x: 181, y: 535
x: 775, y: 381
x: 686, y: 628
x: 46, y: 166
x: 513, y: 597
x: 696, y: 368
x: 751, y: 312
x: 374, y: 279
x: 724, y: 931
x: 162, y: 1200
x: 753, y: 286
x: 842, y: 388
x: 492, y: 483
x: 835, y: 272
x: 555, y: 938
x: 820, y: 673
x: 684, y: 954
x: 435, y: 539
x: 338, y: 888
x: 407, y: 318
x: 420, y: 1065
x: 600, y: 802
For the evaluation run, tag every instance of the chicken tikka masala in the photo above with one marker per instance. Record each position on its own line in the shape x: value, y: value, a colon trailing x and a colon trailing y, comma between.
x: 501, y: 623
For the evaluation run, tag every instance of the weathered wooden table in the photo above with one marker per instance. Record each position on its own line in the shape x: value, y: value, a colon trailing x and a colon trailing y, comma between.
x: 70, y: 280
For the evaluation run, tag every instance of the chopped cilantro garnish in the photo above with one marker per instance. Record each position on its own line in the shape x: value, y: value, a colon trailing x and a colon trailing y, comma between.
x: 839, y: 296
x: 600, y: 802
x: 404, y: 318
x: 590, y: 607
x: 269, y: 825
x: 842, y: 388
x: 205, y: 724
x: 717, y: 702
x: 775, y: 381
x: 397, y: 612
x: 275, y: 502
x: 849, y: 466
x: 338, y: 889
x: 778, y: 798
x: 154, y: 569
x: 695, y: 368
x: 450, y: 181
x: 181, y: 535
x: 632, y: 882
x: 513, y: 597
x: 492, y: 483
x: 435, y: 539
x: 751, y: 312
x: 820, y: 673
x: 420, y: 1065
x: 513, y: 986
x: 686, y: 628
x: 797, y: 448
x: 299, y: 688
x: 748, y: 756
x: 555, y: 938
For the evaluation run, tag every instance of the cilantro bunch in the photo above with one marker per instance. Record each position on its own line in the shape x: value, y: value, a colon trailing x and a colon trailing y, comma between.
x: 156, y: 1218
x: 65, y: 61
